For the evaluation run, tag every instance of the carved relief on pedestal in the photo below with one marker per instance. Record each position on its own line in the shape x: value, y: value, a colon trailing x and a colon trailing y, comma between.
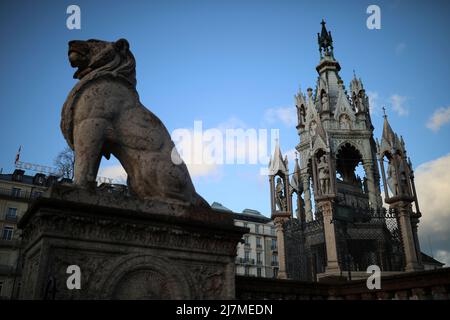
x: 145, y: 277
x: 209, y: 280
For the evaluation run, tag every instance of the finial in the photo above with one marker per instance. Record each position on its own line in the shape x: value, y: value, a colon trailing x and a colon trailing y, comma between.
x: 325, y: 41
x: 384, y: 112
x: 296, y: 155
x: 354, y: 74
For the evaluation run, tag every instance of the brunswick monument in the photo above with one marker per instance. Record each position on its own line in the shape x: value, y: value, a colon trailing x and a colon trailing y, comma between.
x: 157, y: 240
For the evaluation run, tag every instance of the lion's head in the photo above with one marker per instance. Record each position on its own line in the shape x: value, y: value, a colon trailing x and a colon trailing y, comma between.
x: 95, y: 55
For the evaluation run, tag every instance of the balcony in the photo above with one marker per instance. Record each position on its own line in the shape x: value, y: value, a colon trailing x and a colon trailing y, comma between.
x: 245, y: 261
x: 274, y: 264
x: 11, y: 218
x: 259, y: 262
x: 273, y: 247
x: 22, y: 194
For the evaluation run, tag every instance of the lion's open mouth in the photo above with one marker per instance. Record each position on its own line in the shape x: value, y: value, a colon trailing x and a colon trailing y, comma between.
x: 78, y: 57
x: 80, y: 61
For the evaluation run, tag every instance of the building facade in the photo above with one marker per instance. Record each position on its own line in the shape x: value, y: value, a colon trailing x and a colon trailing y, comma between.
x: 257, y: 254
x: 17, y: 190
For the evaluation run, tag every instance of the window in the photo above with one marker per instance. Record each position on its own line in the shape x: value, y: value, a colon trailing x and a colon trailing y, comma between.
x: 275, y: 272
x: 247, y: 255
x: 257, y: 228
x: 245, y: 225
x: 258, y: 242
x: 36, y: 194
x: 274, y: 244
x: 1, y: 287
x: 247, y: 270
x: 247, y: 241
x: 11, y: 213
x: 258, y: 272
x: 7, y: 233
x: 16, y: 192
x: 272, y: 231
x: 274, y: 260
x: 258, y: 258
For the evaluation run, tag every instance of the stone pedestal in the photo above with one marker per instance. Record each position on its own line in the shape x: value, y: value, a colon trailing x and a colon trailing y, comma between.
x: 125, y: 248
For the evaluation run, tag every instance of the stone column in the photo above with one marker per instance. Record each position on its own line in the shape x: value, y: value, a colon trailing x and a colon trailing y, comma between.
x: 404, y: 211
x: 272, y: 193
x: 414, y: 222
x: 370, y: 176
x: 326, y: 207
x: 307, y: 197
x: 279, y: 221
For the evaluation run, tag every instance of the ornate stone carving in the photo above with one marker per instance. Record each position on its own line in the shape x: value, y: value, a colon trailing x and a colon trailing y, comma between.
x: 210, y: 281
x: 324, y: 175
x: 280, y: 195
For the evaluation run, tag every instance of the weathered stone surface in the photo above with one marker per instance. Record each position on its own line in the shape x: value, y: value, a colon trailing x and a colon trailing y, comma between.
x: 102, y: 115
x: 125, y: 254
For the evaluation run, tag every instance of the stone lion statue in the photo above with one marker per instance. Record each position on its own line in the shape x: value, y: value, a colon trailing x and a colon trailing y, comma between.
x: 103, y: 115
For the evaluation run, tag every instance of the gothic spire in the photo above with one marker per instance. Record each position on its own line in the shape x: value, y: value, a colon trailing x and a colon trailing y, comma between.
x: 325, y: 41
x: 389, y: 139
x: 277, y: 164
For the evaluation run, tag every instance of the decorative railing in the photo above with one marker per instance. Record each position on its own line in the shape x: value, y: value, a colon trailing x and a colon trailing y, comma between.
x: 423, y: 285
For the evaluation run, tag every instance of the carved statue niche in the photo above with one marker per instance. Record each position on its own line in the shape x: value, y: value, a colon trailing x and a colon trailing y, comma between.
x: 312, y: 128
x: 323, y: 172
x: 361, y: 101
x: 397, y: 176
x: 392, y: 181
x: 324, y: 100
x: 280, y: 196
x: 355, y: 101
x: 301, y: 115
x: 103, y: 115
x: 344, y: 122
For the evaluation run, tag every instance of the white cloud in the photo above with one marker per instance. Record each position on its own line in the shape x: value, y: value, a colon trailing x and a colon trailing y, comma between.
x: 433, y: 190
x: 115, y: 172
x: 443, y: 256
x: 398, y: 104
x: 192, y: 151
x: 231, y: 123
x: 399, y: 48
x: 202, y: 170
x: 439, y: 118
x: 285, y: 115
x: 291, y: 154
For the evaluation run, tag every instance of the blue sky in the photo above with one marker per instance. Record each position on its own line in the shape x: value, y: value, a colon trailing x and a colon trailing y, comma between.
x: 227, y: 62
